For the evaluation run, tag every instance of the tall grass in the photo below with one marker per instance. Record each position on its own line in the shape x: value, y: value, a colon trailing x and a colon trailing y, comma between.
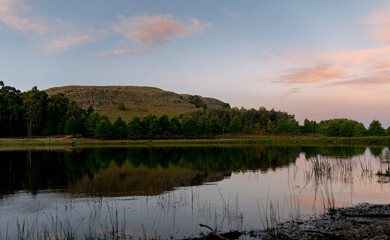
x: 108, y: 221
x: 270, y: 216
x: 59, y: 227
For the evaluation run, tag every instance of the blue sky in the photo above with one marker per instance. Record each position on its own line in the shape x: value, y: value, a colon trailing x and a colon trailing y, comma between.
x: 315, y: 59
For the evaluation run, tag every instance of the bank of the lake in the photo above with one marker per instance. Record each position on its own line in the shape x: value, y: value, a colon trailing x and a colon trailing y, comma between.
x: 362, y: 221
x: 230, y: 140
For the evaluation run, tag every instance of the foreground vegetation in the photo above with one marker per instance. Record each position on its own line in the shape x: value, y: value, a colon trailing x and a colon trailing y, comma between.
x: 34, y: 113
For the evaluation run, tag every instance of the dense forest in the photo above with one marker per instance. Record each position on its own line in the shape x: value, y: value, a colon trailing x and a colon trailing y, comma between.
x: 34, y: 113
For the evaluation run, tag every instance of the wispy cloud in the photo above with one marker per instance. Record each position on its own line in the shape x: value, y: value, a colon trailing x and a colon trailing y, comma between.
x: 321, y: 72
x: 121, y: 52
x: 151, y: 31
x: 63, y: 43
x: 380, y: 23
x: 229, y: 13
x: 157, y: 29
x: 122, y: 48
x: 370, y: 80
x: 291, y: 91
x: 349, y: 68
x: 16, y: 15
x: 56, y: 35
x: 381, y: 65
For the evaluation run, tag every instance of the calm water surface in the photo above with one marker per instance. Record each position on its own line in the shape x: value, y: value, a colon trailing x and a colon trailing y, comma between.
x: 167, y: 192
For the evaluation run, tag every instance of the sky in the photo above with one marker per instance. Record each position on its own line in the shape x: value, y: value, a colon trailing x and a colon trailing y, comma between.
x: 314, y: 59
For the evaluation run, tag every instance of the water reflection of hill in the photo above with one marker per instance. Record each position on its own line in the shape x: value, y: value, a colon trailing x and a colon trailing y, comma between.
x: 142, y: 171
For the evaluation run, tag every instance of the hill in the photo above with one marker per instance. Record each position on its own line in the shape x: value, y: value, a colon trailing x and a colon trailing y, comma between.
x: 129, y: 101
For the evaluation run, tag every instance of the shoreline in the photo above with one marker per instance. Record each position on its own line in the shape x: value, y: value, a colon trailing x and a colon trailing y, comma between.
x: 362, y: 221
x: 69, y: 141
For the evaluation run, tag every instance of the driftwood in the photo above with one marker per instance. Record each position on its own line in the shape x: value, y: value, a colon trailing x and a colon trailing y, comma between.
x: 223, y: 236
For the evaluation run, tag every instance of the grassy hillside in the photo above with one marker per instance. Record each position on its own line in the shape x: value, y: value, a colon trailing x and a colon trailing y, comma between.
x: 139, y: 101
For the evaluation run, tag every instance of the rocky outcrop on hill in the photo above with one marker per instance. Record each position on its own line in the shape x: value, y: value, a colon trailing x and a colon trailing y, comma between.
x: 139, y: 101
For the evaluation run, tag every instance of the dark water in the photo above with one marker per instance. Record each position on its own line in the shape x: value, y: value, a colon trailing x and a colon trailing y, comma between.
x: 167, y: 192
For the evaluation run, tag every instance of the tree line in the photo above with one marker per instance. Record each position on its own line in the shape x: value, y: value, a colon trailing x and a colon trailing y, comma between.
x: 344, y: 128
x: 34, y: 113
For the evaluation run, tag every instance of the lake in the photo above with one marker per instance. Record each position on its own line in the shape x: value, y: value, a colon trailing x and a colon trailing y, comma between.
x: 166, y: 192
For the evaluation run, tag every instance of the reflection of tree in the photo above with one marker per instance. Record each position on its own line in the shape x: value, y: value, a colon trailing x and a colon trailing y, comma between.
x: 35, y: 170
x: 339, y: 152
x: 376, y: 151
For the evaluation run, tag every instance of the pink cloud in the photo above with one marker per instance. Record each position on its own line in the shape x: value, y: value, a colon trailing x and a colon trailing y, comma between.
x: 380, y: 22
x: 371, y: 80
x: 121, y: 52
x: 63, y: 43
x: 381, y: 65
x: 349, y: 68
x: 10, y: 15
x: 321, y: 72
x: 357, y: 57
x: 341, y: 68
x: 291, y: 91
x: 230, y: 13
x: 157, y: 29
x: 122, y: 48
x: 56, y: 35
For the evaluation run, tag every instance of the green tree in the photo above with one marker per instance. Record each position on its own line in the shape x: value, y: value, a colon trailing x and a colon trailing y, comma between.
x: 270, y: 127
x: 104, y: 130
x: 77, y: 126
x: 34, y: 104
x: 74, y: 110
x: 215, y: 125
x: 224, y: 120
x: 49, y: 126
x: 189, y: 127
x: 93, y: 121
x: 119, y: 129
x: 235, y: 125
x: 135, y: 128
x: 309, y: 127
x: 346, y: 128
x: 151, y: 126
x: 293, y: 126
x: 71, y: 126
x: 282, y: 126
x: 90, y: 110
x: 359, y: 130
x: 204, y: 125
x: 57, y: 109
x: 11, y: 111
x: 175, y: 126
x: 165, y: 125
x: 154, y: 127
x: 333, y: 128
x: 387, y: 131
x: 83, y: 122
x: 258, y: 129
x: 376, y: 129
